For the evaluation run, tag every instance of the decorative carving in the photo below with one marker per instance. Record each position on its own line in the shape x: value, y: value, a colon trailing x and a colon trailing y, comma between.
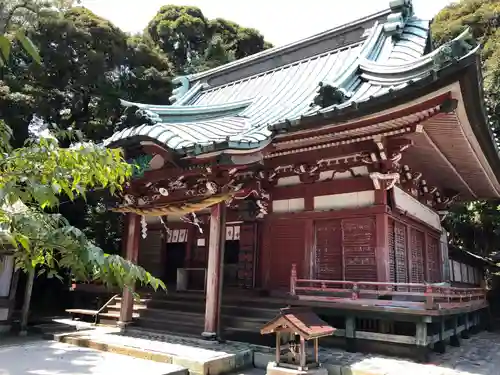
x: 454, y: 50
x: 144, y: 227
x: 192, y: 219
x: 307, y: 173
x: 427, y: 194
x: 329, y: 95
x: 134, y: 116
x: 140, y: 165
x: 180, y: 91
x: 257, y: 199
x: 391, y: 178
x: 401, y: 11
x: 411, y: 181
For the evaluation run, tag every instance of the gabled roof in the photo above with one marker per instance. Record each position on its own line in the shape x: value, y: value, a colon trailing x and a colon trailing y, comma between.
x: 300, y: 321
x: 214, y: 113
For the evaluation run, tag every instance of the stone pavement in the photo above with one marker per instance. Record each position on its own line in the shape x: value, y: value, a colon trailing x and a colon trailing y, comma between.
x: 53, y: 358
x: 480, y: 355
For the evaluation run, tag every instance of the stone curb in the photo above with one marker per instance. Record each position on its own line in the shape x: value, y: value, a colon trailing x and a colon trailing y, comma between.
x: 260, y: 360
x: 217, y: 366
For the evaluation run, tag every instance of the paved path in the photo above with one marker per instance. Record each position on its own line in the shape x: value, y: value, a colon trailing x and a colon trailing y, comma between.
x: 52, y: 358
x: 478, y: 355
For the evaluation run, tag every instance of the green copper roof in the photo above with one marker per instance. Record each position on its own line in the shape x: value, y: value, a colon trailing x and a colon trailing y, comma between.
x: 242, y: 114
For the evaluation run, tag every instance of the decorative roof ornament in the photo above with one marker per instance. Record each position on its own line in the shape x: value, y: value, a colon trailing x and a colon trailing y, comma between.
x: 180, y: 91
x: 454, y: 50
x: 401, y: 11
x: 329, y: 95
x: 134, y: 116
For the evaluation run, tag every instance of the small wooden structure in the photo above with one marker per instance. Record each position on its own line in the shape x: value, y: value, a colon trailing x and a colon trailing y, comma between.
x: 304, y: 324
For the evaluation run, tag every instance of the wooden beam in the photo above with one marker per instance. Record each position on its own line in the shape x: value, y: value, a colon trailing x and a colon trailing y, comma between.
x: 131, y: 251
x: 215, y: 264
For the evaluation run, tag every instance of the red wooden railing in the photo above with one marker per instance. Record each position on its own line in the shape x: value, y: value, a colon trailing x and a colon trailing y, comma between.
x: 428, y: 296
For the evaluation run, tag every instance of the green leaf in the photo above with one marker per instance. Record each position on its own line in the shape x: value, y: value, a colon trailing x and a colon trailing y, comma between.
x: 28, y: 46
x: 23, y: 240
x: 4, y: 48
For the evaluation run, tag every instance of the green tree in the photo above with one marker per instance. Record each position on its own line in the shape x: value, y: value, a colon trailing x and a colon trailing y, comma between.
x: 32, y: 178
x: 193, y: 42
x: 88, y: 65
x: 476, y: 226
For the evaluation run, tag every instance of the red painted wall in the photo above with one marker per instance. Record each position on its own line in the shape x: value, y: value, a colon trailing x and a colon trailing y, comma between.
x: 333, y: 245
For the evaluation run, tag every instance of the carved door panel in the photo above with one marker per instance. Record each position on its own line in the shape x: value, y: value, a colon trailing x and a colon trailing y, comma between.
x: 358, y: 242
x: 328, y: 262
x: 392, y: 252
x: 417, y: 256
x: 433, y: 260
x: 401, y: 257
x: 247, y: 255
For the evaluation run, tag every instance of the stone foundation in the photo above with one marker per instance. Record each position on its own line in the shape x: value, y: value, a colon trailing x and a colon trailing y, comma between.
x: 274, y: 369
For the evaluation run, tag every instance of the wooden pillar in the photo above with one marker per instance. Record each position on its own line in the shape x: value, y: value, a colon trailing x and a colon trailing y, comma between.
x: 382, y: 250
x: 421, y: 341
x: 350, y: 333
x: 303, y: 354
x: 278, y: 347
x: 130, y: 247
x: 215, y: 270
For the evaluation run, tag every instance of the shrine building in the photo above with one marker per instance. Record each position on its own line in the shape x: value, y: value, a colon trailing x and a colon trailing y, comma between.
x: 318, y: 172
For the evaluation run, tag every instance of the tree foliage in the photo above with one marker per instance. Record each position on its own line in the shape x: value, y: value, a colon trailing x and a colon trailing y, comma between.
x: 193, y: 42
x: 35, y: 175
x: 476, y: 226
x: 70, y: 84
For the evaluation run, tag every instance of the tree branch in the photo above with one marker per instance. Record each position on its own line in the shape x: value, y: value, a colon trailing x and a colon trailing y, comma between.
x: 25, y: 5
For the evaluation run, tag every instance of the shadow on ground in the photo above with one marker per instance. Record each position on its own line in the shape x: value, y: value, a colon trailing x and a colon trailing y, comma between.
x: 51, y: 358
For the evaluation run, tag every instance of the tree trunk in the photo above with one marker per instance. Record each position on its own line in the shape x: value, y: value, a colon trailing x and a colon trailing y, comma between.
x: 26, y: 303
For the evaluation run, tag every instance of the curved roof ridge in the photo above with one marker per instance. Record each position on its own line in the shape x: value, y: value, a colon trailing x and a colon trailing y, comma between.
x: 276, y: 51
x: 374, y: 68
x: 282, y: 67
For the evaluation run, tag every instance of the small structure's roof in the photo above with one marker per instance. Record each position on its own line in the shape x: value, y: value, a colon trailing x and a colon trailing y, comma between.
x: 301, y: 321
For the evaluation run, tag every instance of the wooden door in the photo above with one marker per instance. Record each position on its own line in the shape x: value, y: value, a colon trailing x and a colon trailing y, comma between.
x: 400, y: 253
x: 247, y: 255
x: 433, y: 260
x: 359, y: 244
x: 328, y: 262
x: 417, y: 256
x: 285, y: 246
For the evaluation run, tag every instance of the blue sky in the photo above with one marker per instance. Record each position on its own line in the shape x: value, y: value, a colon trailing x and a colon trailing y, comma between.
x: 280, y: 21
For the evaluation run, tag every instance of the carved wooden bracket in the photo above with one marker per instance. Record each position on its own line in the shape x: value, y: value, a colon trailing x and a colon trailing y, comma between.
x: 384, y: 180
x: 307, y: 173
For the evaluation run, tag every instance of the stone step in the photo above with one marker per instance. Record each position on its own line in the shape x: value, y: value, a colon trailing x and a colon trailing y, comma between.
x: 200, y: 358
x: 117, y: 306
x: 184, y: 329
